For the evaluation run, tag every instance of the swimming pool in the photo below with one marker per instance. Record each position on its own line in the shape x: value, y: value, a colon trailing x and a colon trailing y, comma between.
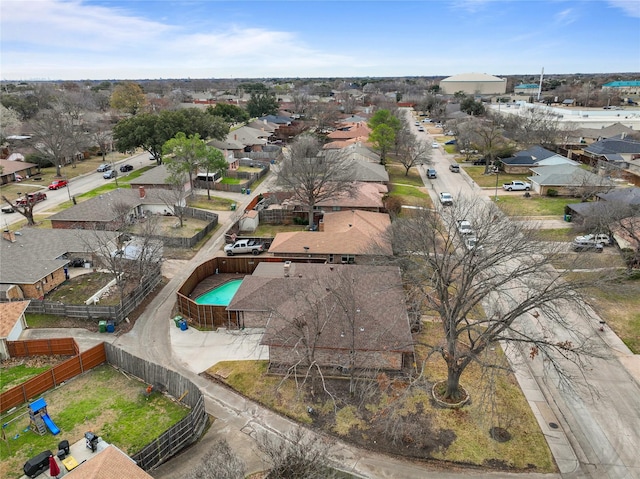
x: 221, y: 295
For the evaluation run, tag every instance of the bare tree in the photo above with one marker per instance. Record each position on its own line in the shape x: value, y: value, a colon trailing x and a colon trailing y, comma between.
x: 220, y: 463
x: 313, y: 176
x: 532, y: 126
x: 56, y: 136
x: 588, y: 185
x: 25, y: 208
x: 297, y: 455
x: 504, y: 271
x: 490, y: 140
x: 414, y: 152
x: 174, y: 197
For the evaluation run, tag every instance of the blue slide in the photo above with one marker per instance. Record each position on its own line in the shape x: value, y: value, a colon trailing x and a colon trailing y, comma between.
x: 50, y: 424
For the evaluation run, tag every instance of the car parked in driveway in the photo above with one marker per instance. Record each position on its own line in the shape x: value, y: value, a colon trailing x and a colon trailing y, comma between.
x: 57, y: 184
x: 110, y: 174
x: 104, y: 167
x: 579, y: 246
x: 125, y: 168
x: 600, y: 238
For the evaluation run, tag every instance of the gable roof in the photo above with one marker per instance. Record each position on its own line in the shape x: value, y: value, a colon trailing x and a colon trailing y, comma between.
x: 248, y: 136
x: 367, y: 195
x: 102, y: 207
x: 345, y: 232
x: 381, y: 323
x: 110, y: 463
x: 11, y: 166
x: 614, y: 145
x: 627, y: 196
x: 567, y: 175
x: 355, y: 130
x: 529, y: 157
x: 38, y: 252
x: 610, y: 131
x: 10, y: 314
x: 277, y: 119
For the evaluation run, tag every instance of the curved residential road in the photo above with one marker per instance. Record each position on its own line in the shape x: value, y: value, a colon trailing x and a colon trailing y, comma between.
x: 599, y: 411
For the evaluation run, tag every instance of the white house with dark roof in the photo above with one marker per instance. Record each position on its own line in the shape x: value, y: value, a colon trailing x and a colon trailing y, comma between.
x: 533, y: 157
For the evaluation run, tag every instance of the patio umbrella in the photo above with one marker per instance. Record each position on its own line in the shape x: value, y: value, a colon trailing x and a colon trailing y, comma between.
x: 54, y: 469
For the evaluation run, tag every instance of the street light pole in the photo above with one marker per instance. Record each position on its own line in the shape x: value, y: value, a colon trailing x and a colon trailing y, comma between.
x: 496, y: 170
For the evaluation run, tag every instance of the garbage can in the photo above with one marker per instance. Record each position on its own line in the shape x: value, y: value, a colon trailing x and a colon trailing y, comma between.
x: 273, y: 162
x: 248, y: 191
x: 244, y: 190
x: 102, y: 326
x: 177, y: 320
x: 567, y: 218
x: 233, y: 206
x: 183, y: 325
x: 111, y: 326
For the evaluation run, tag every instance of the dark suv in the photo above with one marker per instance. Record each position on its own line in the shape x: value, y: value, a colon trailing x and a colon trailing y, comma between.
x: 481, y: 161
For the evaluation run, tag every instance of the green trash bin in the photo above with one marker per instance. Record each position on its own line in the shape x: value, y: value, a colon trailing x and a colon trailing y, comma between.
x: 233, y: 206
x: 177, y: 320
x: 244, y: 190
x: 567, y: 218
x: 102, y: 326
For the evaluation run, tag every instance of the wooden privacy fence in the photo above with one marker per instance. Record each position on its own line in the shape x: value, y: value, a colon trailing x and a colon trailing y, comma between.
x: 55, y: 376
x: 210, y: 316
x: 180, y: 435
x: 92, y: 311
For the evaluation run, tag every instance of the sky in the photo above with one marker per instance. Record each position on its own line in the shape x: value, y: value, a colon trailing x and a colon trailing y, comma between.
x: 115, y: 40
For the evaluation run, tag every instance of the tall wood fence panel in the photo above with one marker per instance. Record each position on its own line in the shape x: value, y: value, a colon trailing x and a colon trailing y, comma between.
x: 181, y: 434
x: 55, y: 376
x: 91, y: 311
x: 43, y: 347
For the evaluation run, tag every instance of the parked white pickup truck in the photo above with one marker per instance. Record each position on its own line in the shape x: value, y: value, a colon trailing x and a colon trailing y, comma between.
x: 517, y: 186
x: 446, y: 199
x: 244, y: 246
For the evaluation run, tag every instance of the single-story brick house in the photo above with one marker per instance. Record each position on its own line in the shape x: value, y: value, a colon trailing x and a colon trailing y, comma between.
x: 112, y: 209
x: 15, y: 170
x: 35, y: 259
x: 568, y: 180
x: 350, y: 236
x: 355, y: 315
x: 523, y: 161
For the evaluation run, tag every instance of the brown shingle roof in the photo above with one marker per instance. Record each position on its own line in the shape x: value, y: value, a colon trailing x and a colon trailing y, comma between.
x: 345, y: 232
x: 374, y: 294
x: 9, y: 315
x: 111, y: 463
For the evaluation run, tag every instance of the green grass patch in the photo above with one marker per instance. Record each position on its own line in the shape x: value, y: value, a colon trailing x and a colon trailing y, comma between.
x: 534, y: 206
x: 477, y: 174
x: 18, y: 374
x: 232, y: 181
x: 35, y: 320
x: 103, y: 401
x: 397, y: 175
x: 215, y: 203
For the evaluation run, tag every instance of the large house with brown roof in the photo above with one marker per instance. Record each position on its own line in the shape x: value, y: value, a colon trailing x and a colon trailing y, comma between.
x: 367, y: 196
x: 110, y: 210
x: 355, y: 315
x: 350, y: 236
x: 110, y: 463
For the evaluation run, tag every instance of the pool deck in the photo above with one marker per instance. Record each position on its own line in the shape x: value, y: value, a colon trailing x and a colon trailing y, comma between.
x: 213, y: 281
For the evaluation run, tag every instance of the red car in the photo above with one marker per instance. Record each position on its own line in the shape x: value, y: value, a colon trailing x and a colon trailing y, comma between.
x: 56, y: 184
x: 31, y: 198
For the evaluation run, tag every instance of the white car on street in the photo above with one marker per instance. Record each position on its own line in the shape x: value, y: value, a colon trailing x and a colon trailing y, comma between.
x: 435, y: 144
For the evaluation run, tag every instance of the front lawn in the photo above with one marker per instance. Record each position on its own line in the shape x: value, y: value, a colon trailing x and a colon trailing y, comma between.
x: 485, y: 181
x: 389, y: 416
x: 215, y: 203
x: 518, y: 205
x: 410, y: 189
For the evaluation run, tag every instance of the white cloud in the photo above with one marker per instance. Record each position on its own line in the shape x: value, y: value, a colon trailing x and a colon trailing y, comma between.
x: 565, y: 16
x: 630, y: 7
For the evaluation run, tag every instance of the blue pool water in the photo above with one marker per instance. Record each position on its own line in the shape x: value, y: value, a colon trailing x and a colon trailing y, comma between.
x: 220, y: 296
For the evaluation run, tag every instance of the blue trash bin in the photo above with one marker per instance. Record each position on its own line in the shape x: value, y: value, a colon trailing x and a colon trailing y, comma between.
x: 248, y: 191
x: 183, y: 325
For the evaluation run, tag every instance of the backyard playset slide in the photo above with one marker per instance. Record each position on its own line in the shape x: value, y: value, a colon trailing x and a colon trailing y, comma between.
x: 50, y: 424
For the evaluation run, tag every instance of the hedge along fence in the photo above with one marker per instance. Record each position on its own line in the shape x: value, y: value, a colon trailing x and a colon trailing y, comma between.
x: 181, y: 434
x: 172, y: 441
x: 55, y: 376
x: 116, y: 313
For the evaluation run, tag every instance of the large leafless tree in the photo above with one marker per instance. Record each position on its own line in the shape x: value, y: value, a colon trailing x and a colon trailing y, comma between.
x: 491, y: 292
x: 313, y: 175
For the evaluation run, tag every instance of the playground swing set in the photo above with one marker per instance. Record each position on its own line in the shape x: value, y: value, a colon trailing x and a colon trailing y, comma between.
x: 40, y: 420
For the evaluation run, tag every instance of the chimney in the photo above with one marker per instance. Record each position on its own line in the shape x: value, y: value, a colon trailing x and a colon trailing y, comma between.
x: 10, y: 236
x: 287, y: 268
x: 142, y: 192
